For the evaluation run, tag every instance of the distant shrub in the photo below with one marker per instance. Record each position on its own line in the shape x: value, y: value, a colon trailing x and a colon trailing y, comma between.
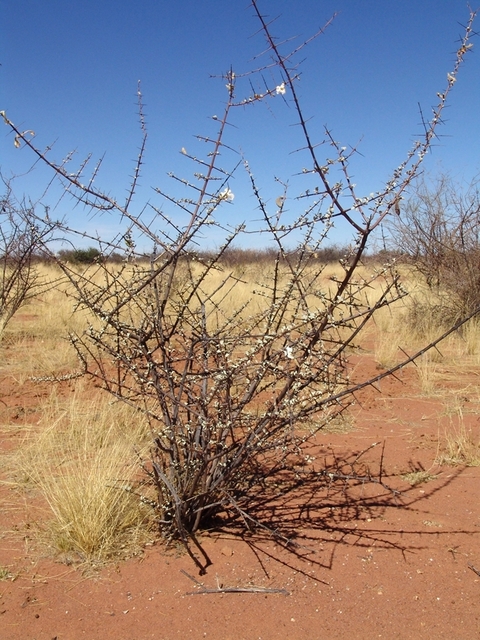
x: 439, y: 235
x: 91, y: 255
x: 80, y: 256
x: 22, y: 242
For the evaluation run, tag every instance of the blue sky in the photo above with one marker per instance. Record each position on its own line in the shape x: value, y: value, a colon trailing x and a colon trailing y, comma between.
x: 70, y: 70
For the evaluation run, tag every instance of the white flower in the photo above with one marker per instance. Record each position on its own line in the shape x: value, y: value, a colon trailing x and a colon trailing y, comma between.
x: 288, y: 351
x: 281, y: 89
x: 451, y: 78
x: 226, y: 194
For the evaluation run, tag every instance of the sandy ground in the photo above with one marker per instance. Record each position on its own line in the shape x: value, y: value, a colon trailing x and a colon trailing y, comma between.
x: 364, y: 564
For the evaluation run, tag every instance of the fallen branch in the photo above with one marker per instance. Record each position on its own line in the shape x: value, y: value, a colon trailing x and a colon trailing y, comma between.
x: 239, y: 590
x: 219, y: 589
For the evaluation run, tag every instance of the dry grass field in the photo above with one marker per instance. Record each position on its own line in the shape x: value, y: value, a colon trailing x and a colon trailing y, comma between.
x: 77, y: 534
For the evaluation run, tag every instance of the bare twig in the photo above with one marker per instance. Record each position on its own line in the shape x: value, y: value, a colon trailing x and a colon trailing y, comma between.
x: 284, y: 592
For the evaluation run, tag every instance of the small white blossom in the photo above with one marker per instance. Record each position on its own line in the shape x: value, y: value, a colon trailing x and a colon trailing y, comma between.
x: 281, y: 89
x: 288, y: 351
x: 226, y: 194
x: 451, y: 78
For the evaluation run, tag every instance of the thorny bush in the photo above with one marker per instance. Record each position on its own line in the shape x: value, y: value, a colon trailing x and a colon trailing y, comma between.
x: 439, y: 234
x: 229, y: 384
x: 22, y: 242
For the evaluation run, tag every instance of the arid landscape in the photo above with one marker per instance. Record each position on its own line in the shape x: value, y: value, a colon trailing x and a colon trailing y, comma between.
x: 243, y: 403
x: 381, y: 541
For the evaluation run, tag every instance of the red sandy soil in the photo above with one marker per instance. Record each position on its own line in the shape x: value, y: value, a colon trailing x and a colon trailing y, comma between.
x: 363, y: 566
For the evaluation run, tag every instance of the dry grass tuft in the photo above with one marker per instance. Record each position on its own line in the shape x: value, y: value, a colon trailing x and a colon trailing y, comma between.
x: 5, y: 573
x: 427, y: 370
x: 460, y: 448
x: 470, y: 340
x: 84, y: 465
x: 418, y: 477
x: 390, y: 334
x: 341, y: 423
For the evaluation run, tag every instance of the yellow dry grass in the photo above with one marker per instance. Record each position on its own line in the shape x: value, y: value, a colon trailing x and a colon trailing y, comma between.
x: 460, y: 447
x: 82, y: 459
x: 415, y: 478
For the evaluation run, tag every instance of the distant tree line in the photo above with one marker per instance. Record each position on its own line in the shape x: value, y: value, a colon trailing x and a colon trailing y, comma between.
x: 231, y: 257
